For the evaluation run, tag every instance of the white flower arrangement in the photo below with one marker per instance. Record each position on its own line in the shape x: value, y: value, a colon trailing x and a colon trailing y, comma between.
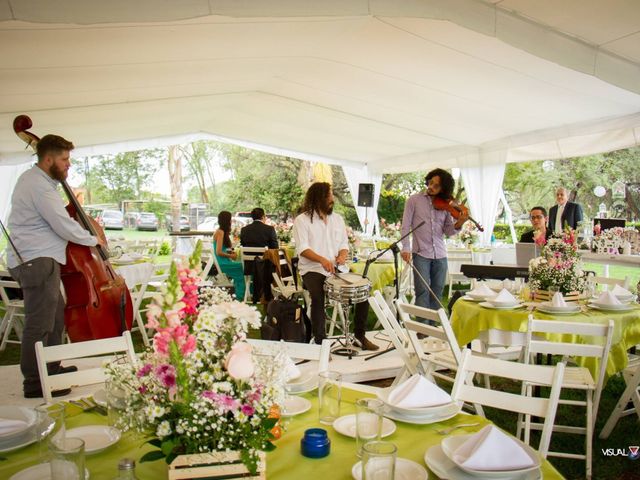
x: 559, y: 265
x: 199, y: 388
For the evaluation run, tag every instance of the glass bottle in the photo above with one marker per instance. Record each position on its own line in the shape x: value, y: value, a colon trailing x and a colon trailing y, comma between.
x: 126, y: 469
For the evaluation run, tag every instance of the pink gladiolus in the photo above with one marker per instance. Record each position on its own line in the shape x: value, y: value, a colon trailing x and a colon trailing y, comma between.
x: 161, y: 342
x: 239, y: 362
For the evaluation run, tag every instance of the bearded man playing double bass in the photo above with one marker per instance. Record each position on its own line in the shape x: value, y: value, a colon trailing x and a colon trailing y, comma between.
x: 40, y: 230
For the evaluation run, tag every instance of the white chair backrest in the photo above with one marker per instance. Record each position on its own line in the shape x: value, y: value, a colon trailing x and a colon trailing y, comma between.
x: 305, y: 351
x: 248, y: 254
x: 599, y: 337
x: 391, y: 316
x: 611, y: 282
x: 443, y: 332
x: 7, y: 285
x: 457, y: 257
x: 70, y: 351
x: 539, y: 374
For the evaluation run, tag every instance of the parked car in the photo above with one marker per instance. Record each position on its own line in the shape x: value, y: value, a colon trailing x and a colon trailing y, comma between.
x: 209, y: 224
x: 110, y: 219
x: 184, y: 223
x: 147, y: 221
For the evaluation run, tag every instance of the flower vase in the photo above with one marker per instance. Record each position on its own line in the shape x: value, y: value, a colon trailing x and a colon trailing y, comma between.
x: 215, y: 465
x: 545, y: 296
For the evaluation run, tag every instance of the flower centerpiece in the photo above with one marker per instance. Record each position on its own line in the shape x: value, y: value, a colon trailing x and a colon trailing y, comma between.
x: 196, y: 389
x: 284, y: 232
x: 390, y: 230
x: 558, y: 265
x: 468, y: 236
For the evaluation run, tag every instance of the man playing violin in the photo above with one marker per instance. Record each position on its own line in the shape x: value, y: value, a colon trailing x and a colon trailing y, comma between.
x: 40, y: 230
x: 322, y: 244
x: 426, y: 246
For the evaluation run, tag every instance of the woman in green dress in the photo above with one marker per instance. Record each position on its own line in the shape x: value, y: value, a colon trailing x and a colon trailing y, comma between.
x: 225, y: 254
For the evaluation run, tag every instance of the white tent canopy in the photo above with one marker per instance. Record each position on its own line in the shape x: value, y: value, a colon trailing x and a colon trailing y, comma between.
x: 396, y: 85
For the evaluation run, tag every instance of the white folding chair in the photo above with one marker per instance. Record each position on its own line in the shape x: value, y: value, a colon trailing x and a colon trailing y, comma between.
x: 90, y: 376
x: 13, y: 318
x: 304, y: 351
x: 454, y: 261
x: 597, y: 345
x: 247, y: 255
x: 138, y: 291
x: 221, y: 279
x: 631, y: 393
x: 610, y: 282
x: 545, y: 408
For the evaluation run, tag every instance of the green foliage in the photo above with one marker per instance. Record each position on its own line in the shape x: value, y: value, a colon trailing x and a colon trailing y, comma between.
x: 165, y: 248
x: 396, y: 188
x: 391, y: 206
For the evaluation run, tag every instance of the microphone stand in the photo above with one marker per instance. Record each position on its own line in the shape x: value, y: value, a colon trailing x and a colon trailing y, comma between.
x: 395, y: 249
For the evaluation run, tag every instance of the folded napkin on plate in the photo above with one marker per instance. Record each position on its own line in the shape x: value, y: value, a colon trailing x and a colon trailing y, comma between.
x: 291, y: 370
x: 492, y: 449
x: 9, y: 425
x: 481, y: 289
x: 504, y: 297
x: 558, y: 300
x: 608, y: 298
x: 618, y: 291
x: 418, y: 392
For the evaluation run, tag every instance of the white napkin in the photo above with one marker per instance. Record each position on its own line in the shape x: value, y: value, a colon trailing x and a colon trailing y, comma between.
x: 504, y: 297
x: 492, y: 449
x: 8, y: 425
x: 418, y: 392
x: 125, y: 258
x: 558, y: 300
x: 618, y: 291
x: 608, y: 298
x: 291, y: 370
x: 481, y: 290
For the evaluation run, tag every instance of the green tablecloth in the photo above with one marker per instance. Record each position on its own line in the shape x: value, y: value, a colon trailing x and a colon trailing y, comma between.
x: 285, y: 462
x: 468, y: 319
x: 380, y: 274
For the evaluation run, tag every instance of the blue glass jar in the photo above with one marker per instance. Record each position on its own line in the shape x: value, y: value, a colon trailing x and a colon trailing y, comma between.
x: 315, y: 443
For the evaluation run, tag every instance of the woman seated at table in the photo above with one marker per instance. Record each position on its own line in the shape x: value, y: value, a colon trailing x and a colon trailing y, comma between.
x: 538, y: 218
x: 225, y: 254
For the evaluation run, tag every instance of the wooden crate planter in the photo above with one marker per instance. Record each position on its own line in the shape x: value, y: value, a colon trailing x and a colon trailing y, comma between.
x: 215, y: 465
x: 544, y: 296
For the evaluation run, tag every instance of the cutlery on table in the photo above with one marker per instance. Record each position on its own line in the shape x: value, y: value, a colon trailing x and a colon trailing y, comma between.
x: 448, y: 430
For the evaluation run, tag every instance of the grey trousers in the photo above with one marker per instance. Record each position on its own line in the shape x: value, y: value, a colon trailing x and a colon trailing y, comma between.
x: 43, y: 314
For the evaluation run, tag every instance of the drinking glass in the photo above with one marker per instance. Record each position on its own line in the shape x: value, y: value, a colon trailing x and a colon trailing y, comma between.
x: 116, y: 405
x: 379, y: 461
x: 329, y: 391
x: 50, y: 426
x: 368, y: 422
x: 67, y: 459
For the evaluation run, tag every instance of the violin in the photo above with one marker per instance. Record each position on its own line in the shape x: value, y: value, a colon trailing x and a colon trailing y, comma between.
x: 98, y: 301
x: 456, y: 209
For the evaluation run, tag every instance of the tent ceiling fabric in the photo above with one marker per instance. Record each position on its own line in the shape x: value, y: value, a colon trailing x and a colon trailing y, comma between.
x: 398, y: 85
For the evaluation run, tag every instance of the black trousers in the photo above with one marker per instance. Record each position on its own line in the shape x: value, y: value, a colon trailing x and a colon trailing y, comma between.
x: 43, y: 314
x: 314, y: 283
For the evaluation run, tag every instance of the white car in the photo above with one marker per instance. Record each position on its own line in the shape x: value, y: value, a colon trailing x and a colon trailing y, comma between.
x: 209, y: 224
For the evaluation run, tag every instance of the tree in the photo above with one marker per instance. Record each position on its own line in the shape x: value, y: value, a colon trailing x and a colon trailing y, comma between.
x: 197, y: 156
x: 123, y: 175
x: 175, y: 178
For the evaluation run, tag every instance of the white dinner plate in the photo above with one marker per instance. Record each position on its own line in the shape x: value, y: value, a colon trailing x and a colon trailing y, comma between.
x: 493, y: 307
x: 96, y: 437
x: 294, y: 405
x: 413, y: 412
x: 42, y: 471
x: 473, y: 299
x: 306, y: 382
x: 100, y: 397
x: 611, y: 308
x: 405, y: 470
x: 572, y: 309
x: 440, y: 464
x: 346, y: 425
x: 452, y: 410
x: 26, y: 415
x: 450, y: 445
x: 26, y: 438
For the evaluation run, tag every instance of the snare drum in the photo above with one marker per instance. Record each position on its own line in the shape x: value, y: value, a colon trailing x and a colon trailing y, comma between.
x: 354, y: 290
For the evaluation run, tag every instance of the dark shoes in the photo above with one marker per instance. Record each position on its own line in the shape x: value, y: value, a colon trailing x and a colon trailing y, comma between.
x: 55, y: 393
x: 69, y: 369
x: 366, y: 344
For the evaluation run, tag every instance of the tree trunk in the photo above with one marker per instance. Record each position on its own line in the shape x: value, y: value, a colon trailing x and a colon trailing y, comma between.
x: 175, y: 178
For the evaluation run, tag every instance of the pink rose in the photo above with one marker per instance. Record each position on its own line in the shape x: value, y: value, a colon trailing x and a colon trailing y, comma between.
x: 239, y: 362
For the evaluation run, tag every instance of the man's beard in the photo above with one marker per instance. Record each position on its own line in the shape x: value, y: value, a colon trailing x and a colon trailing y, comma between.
x: 58, y: 174
x: 328, y: 209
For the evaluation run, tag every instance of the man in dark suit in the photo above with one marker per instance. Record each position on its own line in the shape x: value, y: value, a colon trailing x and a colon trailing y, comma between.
x: 538, y: 217
x: 257, y: 234
x: 564, y: 212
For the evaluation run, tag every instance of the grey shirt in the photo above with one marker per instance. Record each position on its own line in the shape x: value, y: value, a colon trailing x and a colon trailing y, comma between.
x: 39, y: 225
x: 428, y: 240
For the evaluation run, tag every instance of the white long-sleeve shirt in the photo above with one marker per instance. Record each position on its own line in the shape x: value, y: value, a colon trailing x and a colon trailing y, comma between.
x: 38, y: 223
x: 325, y: 239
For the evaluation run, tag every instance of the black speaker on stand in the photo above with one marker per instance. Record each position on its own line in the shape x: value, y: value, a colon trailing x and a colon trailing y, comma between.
x: 365, y: 199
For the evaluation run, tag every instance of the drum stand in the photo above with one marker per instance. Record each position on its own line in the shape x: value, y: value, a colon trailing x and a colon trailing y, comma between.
x: 346, y: 341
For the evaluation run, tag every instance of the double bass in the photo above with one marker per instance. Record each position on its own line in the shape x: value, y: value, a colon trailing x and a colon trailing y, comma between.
x: 98, y: 300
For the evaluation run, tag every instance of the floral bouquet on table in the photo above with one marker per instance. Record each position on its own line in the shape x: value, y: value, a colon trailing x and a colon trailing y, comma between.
x: 390, y: 230
x: 468, y: 235
x: 354, y: 238
x: 284, y: 232
x: 196, y: 389
x: 558, y: 266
